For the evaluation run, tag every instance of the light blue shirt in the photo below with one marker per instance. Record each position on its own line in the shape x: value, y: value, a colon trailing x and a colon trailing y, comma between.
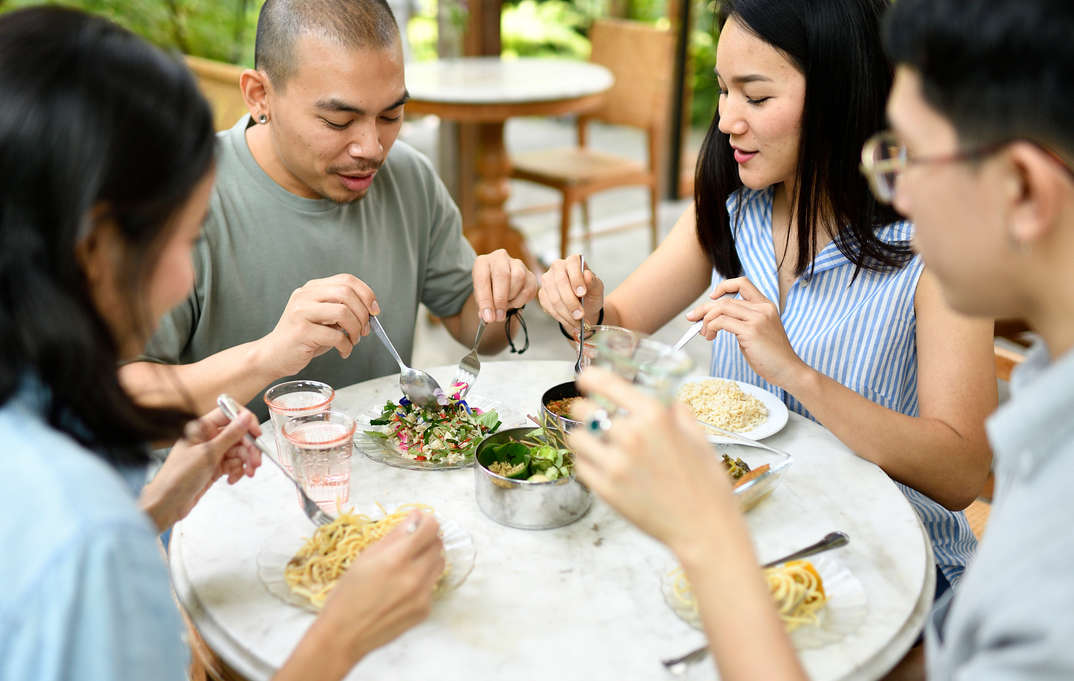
x: 86, y: 592
x: 862, y: 332
x: 1013, y: 616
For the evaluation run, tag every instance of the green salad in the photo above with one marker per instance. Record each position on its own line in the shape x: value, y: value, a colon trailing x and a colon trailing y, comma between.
x: 446, y: 434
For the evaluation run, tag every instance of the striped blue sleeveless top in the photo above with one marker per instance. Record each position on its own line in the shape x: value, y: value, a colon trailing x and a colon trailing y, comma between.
x: 861, y: 333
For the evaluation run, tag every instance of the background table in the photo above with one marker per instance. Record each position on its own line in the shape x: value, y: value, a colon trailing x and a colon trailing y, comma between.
x: 578, y: 602
x: 488, y: 91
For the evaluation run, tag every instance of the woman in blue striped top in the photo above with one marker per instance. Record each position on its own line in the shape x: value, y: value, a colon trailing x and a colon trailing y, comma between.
x: 813, y: 282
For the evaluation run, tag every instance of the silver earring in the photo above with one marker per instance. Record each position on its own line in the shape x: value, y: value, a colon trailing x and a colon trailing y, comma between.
x: 262, y: 119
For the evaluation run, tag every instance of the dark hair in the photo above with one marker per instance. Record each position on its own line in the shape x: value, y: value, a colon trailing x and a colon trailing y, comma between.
x: 350, y: 23
x: 93, y: 118
x: 835, y: 44
x: 996, y: 70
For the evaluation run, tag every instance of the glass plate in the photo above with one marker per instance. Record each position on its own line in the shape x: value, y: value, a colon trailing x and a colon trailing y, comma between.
x: 382, y: 451
x: 843, y: 614
x: 751, y: 493
x: 777, y: 412
x: 282, y: 544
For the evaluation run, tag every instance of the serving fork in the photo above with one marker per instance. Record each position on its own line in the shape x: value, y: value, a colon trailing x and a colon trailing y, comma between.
x: 581, y: 324
x: 230, y: 407
x: 470, y: 364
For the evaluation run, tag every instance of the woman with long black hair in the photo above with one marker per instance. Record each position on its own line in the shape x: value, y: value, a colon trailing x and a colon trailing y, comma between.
x: 813, y: 281
x: 106, y: 165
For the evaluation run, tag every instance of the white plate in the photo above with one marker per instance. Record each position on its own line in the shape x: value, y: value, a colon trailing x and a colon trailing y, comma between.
x: 281, y: 545
x: 381, y: 450
x: 842, y: 615
x: 777, y: 411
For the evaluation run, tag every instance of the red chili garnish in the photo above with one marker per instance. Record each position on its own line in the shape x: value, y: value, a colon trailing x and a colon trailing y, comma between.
x: 419, y: 458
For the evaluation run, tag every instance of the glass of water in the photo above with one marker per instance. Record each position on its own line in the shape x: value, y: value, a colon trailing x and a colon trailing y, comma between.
x: 321, y: 445
x: 293, y: 399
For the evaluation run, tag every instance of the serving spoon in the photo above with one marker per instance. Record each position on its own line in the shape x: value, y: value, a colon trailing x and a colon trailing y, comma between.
x: 677, y: 665
x: 418, y: 386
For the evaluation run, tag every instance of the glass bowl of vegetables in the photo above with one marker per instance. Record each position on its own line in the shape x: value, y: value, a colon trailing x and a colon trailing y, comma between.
x: 524, y: 478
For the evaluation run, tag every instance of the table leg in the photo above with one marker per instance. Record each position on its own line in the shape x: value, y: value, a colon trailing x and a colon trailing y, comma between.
x: 491, y: 229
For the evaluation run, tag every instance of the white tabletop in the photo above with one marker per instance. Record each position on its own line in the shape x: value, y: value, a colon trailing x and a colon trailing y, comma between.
x: 494, y: 80
x: 594, y: 608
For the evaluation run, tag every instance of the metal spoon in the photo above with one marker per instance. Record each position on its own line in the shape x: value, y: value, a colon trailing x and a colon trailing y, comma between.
x: 678, y: 665
x: 418, y: 386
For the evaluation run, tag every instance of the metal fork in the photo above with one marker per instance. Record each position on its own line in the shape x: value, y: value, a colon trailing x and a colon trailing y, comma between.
x: 678, y: 665
x: 230, y: 407
x: 581, y: 325
x: 470, y: 364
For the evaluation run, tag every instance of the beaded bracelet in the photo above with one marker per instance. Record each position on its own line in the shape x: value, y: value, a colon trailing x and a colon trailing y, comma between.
x: 600, y: 320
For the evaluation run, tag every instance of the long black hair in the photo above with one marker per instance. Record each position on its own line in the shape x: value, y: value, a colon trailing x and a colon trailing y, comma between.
x: 836, y: 45
x: 91, y: 118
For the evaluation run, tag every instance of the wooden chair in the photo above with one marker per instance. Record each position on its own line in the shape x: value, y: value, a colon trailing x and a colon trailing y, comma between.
x: 219, y: 82
x: 641, y: 59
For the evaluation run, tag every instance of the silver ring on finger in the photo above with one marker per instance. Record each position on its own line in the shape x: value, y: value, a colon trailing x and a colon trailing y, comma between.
x: 599, y: 423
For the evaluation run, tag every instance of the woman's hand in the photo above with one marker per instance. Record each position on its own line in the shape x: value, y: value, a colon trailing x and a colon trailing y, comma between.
x: 386, y: 590
x: 755, y: 322
x: 561, y: 287
x: 211, y: 447
x: 654, y: 465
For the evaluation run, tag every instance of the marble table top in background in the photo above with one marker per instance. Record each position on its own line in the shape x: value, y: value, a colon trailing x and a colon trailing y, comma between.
x: 578, y: 602
x: 493, y: 80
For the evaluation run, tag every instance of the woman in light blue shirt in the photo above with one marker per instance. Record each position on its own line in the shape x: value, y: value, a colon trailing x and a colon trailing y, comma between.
x: 106, y: 155
x: 812, y: 280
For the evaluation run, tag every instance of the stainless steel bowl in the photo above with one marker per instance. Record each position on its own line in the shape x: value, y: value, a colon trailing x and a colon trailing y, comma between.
x: 559, y: 392
x: 523, y: 504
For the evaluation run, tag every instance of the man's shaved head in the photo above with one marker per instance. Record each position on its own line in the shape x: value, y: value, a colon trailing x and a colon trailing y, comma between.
x: 348, y: 23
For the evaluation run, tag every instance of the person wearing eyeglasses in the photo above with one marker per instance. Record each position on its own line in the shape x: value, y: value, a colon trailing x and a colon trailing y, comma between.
x: 981, y: 158
x: 815, y: 293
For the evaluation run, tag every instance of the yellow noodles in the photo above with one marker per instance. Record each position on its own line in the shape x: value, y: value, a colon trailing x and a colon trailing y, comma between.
x: 723, y: 404
x: 313, y: 571
x: 795, y: 586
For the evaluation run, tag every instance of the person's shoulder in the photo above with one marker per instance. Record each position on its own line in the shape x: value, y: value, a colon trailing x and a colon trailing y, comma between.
x: 57, y: 490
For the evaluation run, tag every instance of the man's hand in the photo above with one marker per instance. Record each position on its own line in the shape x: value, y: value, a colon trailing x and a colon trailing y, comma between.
x: 320, y: 315
x: 501, y: 283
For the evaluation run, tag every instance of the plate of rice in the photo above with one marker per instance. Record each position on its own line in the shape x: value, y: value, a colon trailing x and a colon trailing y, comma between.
x: 741, y: 408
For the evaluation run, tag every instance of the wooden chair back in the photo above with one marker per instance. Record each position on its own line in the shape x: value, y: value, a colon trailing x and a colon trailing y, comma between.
x: 219, y: 82
x: 641, y: 57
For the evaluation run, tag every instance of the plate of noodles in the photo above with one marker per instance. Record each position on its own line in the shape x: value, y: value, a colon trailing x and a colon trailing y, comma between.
x: 820, y: 600
x: 301, y: 566
x: 741, y: 408
x: 400, y: 434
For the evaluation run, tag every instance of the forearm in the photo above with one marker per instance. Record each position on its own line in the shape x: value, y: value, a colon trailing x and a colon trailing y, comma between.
x: 746, y: 636
x: 238, y: 371
x: 925, y: 453
x: 321, y: 655
x: 154, y: 503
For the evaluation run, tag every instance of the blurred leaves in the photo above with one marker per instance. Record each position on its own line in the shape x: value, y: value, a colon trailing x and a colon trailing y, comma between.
x: 224, y: 30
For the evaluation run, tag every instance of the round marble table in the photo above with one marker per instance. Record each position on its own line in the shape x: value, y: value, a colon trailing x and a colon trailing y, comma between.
x: 488, y: 91
x: 595, y: 608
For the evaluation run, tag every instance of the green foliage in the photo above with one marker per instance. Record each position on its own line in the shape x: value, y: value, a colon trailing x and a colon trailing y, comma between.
x: 702, y: 49
x: 217, y: 29
x: 539, y: 29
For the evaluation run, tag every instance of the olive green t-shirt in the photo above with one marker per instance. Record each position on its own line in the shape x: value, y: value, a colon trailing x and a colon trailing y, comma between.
x: 403, y: 239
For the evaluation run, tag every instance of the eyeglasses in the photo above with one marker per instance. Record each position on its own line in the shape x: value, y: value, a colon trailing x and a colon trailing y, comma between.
x: 883, y: 157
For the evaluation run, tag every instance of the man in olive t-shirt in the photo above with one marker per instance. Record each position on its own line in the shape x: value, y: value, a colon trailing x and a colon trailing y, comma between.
x: 318, y: 219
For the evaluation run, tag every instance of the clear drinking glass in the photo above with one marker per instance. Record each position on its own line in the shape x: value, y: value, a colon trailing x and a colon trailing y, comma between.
x: 293, y: 399
x: 322, y: 445
x: 624, y: 339
x: 655, y: 367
